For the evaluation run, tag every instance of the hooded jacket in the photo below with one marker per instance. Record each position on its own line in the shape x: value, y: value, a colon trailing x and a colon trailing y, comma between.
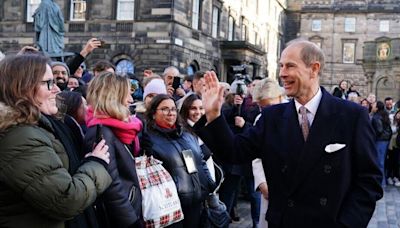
x: 36, y: 189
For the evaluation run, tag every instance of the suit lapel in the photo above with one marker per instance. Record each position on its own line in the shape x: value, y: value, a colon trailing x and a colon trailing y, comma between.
x: 320, y: 135
x: 291, y: 131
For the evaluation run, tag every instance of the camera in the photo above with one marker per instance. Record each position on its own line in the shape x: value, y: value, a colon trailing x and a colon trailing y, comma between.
x: 240, y: 88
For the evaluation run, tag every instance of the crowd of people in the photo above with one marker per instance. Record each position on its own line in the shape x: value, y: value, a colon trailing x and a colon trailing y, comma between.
x: 385, y: 119
x: 298, y: 170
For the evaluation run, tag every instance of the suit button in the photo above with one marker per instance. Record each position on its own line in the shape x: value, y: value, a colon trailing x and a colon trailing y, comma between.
x: 327, y: 169
x: 290, y: 203
x: 284, y: 168
x: 323, y: 201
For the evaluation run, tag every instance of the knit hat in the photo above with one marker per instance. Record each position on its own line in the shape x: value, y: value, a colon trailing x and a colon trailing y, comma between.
x: 55, y: 63
x: 155, y: 86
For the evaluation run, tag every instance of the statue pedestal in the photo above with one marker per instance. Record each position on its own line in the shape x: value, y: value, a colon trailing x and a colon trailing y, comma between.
x: 60, y: 56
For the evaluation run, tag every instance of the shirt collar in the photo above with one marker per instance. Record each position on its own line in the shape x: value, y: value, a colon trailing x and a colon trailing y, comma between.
x: 311, y: 105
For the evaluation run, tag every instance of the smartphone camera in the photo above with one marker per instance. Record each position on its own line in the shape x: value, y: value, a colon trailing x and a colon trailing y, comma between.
x: 176, y: 83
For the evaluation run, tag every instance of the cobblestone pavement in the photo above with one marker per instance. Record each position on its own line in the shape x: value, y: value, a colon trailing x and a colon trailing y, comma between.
x: 386, y: 215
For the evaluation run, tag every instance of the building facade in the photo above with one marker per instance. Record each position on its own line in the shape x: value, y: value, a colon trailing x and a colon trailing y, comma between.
x: 189, y: 34
x: 360, y: 39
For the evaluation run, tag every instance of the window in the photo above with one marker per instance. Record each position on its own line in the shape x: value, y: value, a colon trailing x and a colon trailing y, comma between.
x: 124, y: 67
x: 349, y: 52
x: 316, y: 26
x: 125, y: 9
x: 215, y: 22
x: 231, y: 24
x: 31, y: 7
x: 350, y: 24
x: 384, y: 26
x: 317, y: 40
x: 78, y: 10
x: 244, y: 32
x: 195, y: 14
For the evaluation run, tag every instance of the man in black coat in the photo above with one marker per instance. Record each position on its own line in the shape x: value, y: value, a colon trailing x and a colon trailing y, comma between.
x: 320, y: 164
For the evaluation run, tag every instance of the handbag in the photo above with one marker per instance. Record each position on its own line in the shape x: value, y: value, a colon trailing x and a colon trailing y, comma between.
x: 160, y: 202
x: 214, y: 213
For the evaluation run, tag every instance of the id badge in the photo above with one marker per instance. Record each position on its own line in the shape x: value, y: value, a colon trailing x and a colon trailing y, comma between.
x: 189, y: 161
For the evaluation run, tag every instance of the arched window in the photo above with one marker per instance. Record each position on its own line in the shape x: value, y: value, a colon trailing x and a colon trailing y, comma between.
x: 192, y: 68
x: 125, y: 66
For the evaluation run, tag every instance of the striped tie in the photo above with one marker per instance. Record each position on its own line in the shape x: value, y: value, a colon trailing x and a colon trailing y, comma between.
x: 305, y: 124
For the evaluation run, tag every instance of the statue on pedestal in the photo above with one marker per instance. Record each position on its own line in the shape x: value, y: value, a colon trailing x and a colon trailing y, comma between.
x: 49, y: 27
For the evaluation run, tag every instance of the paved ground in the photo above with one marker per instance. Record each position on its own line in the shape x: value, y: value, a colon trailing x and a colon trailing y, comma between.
x: 386, y: 215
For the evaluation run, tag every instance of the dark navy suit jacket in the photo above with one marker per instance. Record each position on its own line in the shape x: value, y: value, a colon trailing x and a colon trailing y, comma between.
x: 308, y: 187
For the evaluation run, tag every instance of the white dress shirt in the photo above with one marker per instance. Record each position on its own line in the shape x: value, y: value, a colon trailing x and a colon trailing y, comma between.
x: 311, y: 107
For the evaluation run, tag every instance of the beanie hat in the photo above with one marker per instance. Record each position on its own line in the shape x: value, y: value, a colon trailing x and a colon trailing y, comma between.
x: 155, y: 86
x: 55, y: 63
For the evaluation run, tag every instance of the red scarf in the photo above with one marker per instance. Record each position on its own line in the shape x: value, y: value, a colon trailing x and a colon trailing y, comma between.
x: 164, y: 125
x: 126, y: 132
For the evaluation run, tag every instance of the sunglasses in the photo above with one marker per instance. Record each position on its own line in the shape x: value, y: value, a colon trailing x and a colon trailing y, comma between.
x: 50, y: 83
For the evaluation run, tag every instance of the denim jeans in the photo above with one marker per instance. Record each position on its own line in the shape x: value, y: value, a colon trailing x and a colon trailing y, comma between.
x: 381, y: 147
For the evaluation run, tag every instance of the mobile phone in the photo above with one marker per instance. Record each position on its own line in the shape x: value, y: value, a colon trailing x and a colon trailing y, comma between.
x: 176, y: 83
x: 102, y: 42
x: 132, y: 109
x: 99, y: 135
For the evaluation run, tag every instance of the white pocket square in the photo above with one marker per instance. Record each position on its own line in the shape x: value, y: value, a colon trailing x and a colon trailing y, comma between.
x: 334, y: 147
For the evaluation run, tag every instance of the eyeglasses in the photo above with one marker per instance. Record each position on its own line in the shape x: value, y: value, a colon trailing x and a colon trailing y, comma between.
x: 167, y: 111
x: 50, y: 83
x: 60, y: 72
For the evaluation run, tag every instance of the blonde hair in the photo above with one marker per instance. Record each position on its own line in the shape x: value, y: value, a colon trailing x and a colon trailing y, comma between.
x: 267, y: 89
x: 106, y: 94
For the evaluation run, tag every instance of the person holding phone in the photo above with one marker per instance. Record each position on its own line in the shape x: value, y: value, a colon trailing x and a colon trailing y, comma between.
x: 109, y: 98
x: 172, y: 80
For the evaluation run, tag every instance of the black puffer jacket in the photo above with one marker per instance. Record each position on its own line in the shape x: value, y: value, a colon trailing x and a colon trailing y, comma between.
x: 120, y: 205
x: 167, y: 146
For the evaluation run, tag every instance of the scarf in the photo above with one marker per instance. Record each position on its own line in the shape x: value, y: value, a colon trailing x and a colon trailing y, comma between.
x: 126, y: 132
x: 164, y: 125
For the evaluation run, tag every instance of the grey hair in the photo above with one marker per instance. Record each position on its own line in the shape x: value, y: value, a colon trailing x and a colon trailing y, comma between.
x: 267, y: 89
x: 166, y: 70
x: 310, y: 52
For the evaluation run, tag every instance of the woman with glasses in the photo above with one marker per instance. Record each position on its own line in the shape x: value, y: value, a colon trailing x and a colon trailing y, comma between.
x: 108, y: 117
x: 181, y: 155
x: 38, y: 185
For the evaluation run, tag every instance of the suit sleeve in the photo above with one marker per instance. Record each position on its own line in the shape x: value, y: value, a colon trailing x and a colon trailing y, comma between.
x: 237, y: 149
x: 359, y: 203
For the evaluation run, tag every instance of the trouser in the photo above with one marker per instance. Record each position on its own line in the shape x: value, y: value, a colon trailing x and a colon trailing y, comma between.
x: 392, y: 165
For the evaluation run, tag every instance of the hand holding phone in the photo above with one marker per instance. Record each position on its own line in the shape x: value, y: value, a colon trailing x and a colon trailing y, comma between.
x: 99, y: 135
x: 176, y: 83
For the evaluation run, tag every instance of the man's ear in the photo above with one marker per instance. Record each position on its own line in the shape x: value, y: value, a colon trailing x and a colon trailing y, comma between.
x: 315, y: 68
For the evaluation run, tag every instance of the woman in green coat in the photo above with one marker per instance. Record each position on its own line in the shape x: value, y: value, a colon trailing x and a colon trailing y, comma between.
x: 36, y: 189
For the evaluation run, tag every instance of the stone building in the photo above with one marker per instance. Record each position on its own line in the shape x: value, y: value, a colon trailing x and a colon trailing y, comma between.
x: 359, y: 37
x: 189, y: 34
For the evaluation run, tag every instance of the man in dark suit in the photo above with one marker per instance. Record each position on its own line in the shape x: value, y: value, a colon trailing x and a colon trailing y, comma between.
x: 318, y: 151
